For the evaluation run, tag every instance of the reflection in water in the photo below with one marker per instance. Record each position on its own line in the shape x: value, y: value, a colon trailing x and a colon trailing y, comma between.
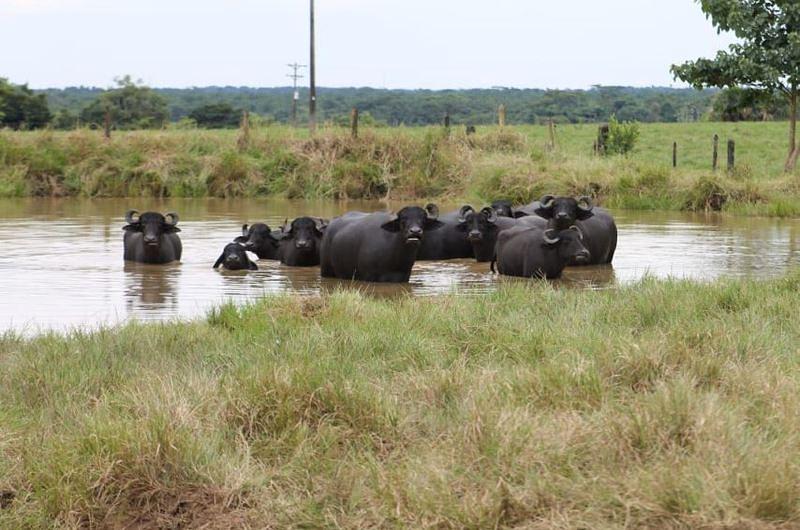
x: 151, y: 287
x: 73, y: 274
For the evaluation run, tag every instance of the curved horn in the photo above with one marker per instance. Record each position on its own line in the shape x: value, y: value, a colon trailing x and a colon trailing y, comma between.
x: 490, y: 213
x: 585, y: 199
x: 320, y: 223
x: 462, y: 213
x: 551, y: 237
x: 244, y: 230
x: 577, y: 229
x: 129, y: 217
x: 547, y: 201
x: 171, y: 218
x: 433, y: 211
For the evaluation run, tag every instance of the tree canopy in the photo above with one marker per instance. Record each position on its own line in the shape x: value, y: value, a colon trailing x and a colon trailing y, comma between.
x: 130, y: 106
x: 766, y: 58
x: 20, y: 108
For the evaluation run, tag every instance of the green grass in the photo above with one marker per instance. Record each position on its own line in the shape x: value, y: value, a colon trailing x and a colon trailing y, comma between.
x: 659, y: 404
x: 409, y: 163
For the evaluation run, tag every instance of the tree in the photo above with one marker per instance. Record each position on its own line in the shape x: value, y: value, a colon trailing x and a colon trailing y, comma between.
x: 130, y: 106
x: 216, y: 116
x: 767, y: 58
x: 20, y: 108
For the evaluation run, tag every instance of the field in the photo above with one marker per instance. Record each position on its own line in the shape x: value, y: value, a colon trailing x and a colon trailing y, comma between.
x: 661, y: 404
x: 410, y: 163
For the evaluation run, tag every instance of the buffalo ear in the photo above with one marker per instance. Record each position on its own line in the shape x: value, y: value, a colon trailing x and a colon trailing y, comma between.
x: 219, y: 260
x: 392, y: 226
x: 133, y: 227
x: 433, y: 224
x: 517, y: 214
x: 171, y: 228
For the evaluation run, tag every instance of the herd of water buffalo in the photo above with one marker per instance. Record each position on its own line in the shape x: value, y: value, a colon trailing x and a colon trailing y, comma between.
x: 537, y: 240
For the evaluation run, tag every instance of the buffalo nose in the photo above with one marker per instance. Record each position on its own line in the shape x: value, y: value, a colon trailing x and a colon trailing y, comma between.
x: 582, y: 256
x: 415, y: 230
x: 561, y: 215
x: 475, y: 235
x: 150, y: 240
x: 233, y: 257
x: 302, y: 244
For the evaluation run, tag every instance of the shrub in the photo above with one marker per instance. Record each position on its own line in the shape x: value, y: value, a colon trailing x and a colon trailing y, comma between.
x: 622, y: 136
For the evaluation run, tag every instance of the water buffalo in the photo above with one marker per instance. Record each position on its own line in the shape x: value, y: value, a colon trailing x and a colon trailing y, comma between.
x: 260, y: 240
x: 597, y: 225
x: 376, y: 247
x: 300, y: 242
x: 234, y: 258
x: 503, y: 207
x: 151, y: 237
x: 478, y: 229
x: 536, y: 252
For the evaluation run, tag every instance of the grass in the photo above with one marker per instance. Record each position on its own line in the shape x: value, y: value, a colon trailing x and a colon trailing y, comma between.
x: 409, y: 163
x: 659, y: 404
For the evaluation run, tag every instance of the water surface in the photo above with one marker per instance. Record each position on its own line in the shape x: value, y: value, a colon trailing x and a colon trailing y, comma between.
x: 61, y: 260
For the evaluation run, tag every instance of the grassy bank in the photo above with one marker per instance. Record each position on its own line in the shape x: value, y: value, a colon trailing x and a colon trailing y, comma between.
x: 418, y: 163
x: 659, y: 404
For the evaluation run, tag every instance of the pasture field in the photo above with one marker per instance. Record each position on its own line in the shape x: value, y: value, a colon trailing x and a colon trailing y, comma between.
x: 410, y: 163
x: 659, y: 404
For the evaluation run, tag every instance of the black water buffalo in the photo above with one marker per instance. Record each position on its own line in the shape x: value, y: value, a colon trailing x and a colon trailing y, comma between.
x: 300, y: 242
x: 151, y: 237
x: 597, y: 225
x: 478, y: 228
x: 234, y: 258
x: 503, y: 208
x: 376, y: 247
x: 536, y: 252
x: 260, y: 240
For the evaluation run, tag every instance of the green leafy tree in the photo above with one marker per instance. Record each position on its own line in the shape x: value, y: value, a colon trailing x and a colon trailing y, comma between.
x: 622, y: 137
x: 767, y: 56
x: 216, y: 116
x: 130, y: 106
x: 20, y: 108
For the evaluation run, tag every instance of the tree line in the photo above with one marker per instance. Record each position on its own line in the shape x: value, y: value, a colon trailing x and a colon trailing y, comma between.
x: 131, y: 105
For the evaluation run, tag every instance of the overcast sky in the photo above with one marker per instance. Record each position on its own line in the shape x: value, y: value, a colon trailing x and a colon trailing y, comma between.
x: 380, y: 43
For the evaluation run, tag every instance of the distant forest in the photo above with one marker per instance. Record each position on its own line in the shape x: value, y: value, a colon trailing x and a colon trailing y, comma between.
x: 425, y: 107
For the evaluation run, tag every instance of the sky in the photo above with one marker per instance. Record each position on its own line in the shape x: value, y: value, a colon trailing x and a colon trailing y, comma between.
x: 432, y: 44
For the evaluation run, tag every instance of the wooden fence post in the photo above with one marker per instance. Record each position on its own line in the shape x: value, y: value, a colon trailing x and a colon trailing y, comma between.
x: 674, y: 154
x: 501, y: 115
x: 107, y: 124
x: 731, y: 155
x: 354, y: 122
x: 551, y: 130
x: 447, y: 123
x: 715, y: 161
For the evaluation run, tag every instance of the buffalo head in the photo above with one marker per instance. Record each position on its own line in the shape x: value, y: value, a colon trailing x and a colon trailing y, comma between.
x: 476, y: 224
x: 412, y: 221
x: 564, y: 211
x: 569, y: 243
x: 503, y: 208
x: 151, y: 224
x: 305, y: 231
x: 234, y: 257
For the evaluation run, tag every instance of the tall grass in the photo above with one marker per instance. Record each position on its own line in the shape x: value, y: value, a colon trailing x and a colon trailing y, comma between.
x: 512, y: 162
x: 660, y: 404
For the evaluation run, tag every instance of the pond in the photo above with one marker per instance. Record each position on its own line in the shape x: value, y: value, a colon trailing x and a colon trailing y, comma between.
x: 61, y: 260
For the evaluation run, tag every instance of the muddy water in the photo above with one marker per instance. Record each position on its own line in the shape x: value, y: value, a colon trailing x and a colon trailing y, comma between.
x: 61, y: 260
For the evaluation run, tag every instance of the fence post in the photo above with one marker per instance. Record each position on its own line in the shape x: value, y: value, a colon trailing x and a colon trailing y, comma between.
x: 354, y: 122
x: 551, y: 130
x: 715, y: 161
x: 447, y: 123
x: 731, y: 155
x: 107, y: 124
x: 501, y: 115
x: 674, y: 154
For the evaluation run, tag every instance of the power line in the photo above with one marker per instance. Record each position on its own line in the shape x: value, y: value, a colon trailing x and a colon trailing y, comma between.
x: 295, y: 94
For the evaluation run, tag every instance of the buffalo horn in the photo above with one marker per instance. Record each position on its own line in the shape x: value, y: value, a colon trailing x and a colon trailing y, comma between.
x: 575, y: 227
x: 547, y: 201
x: 244, y: 230
x: 588, y: 204
x: 171, y: 218
x: 433, y: 211
x: 129, y: 217
x: 462, y: 213
x: 490, y: 213
x: 550, y: 237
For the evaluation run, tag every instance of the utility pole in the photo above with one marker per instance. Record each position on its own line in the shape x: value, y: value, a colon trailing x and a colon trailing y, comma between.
x: 312, y: 97
x: 295, y: 94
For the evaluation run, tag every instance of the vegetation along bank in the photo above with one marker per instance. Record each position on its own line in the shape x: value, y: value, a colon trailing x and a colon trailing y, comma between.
x: 515, y: 162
